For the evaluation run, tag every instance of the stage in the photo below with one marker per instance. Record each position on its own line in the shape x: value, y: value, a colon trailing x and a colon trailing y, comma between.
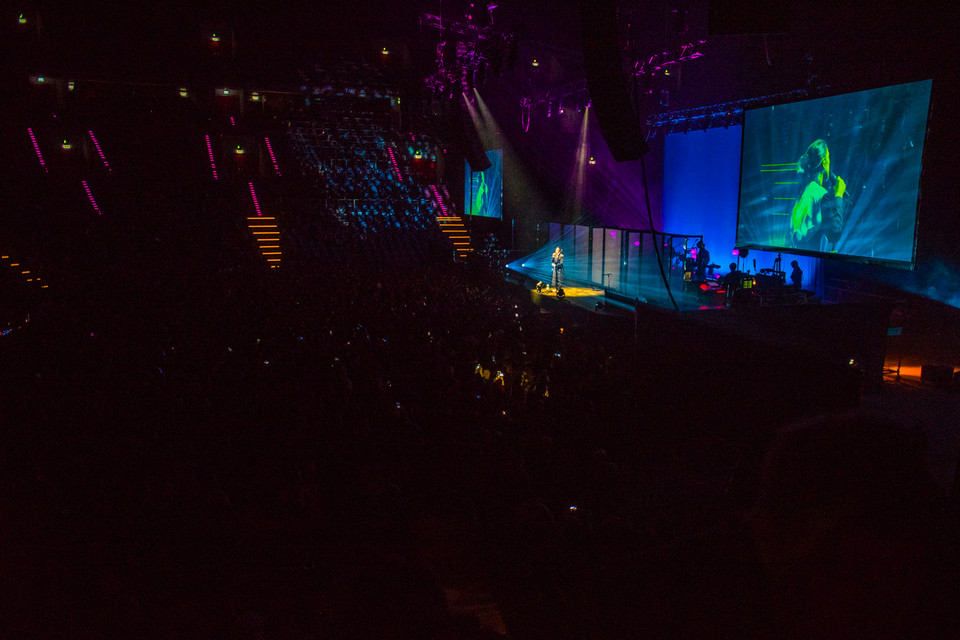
x: 593, y: 297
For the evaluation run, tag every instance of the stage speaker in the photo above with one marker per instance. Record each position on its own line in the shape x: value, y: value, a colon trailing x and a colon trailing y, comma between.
x: 470, y: 139
x: 607, y: 81
x: 936, y: 375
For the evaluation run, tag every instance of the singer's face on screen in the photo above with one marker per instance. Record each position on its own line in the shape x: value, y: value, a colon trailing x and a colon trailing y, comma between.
x: 826, y: 162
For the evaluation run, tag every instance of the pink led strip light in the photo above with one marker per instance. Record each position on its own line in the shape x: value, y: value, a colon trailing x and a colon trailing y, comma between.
x: 213, y: 165
x: 36, y: 147
x: 93, y: 202
x: 100, y: 151
x: 396, y: 167
x: 273, y: 158
x: 256, y: 203
x: 436, y: 194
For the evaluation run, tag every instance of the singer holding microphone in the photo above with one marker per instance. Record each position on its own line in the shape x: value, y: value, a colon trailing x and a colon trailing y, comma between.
x: 818, y: 214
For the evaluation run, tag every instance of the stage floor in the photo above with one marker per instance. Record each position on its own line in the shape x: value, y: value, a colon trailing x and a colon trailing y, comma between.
x: 588, y: 295
x: 573, y: 291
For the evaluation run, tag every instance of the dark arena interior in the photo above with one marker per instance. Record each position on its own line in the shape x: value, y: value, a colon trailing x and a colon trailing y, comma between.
x: 466, y: 320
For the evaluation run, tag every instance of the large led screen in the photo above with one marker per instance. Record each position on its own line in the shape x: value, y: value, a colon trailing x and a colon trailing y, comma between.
x: 836, y: 176
x: 483, y: 190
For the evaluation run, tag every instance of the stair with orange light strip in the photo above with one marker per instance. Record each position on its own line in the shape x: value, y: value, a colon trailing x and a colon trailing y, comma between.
x: 265, y: 231
x: 267, y: 235
x: 453, y: 227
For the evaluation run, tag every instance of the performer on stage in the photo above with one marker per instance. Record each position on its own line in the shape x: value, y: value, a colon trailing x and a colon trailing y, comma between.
x: 817, y: 216
x: 556, y: 260
x: 702, y: 262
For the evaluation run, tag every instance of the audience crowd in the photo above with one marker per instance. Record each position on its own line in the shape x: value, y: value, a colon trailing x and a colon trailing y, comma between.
x: 376, y: 441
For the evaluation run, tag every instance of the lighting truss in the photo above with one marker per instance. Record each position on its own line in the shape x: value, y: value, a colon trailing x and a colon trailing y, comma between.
x: 572, y: 94
x: 715, y: 115
x: 475, y: 45
x: 659, y: 61
x: 460, y: 28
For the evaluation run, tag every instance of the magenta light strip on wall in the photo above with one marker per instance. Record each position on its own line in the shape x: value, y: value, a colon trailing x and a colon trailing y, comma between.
x: 256, y: 203
x: 100, y: 151
x: 93, y: 202
x: 396, y: 167
x: 36, y: 147
x: 436, y: 194
x: 213, y: 165
x: 273, y: 158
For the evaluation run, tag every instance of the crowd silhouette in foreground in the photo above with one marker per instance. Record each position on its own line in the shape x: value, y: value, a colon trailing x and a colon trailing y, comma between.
x: 391, y: 444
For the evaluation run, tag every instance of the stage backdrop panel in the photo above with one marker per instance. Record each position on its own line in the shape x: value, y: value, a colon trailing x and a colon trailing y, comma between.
x: 701, y: 181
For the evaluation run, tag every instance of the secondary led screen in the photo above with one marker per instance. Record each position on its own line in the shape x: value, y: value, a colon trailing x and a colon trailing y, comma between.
x: 836, y: 176
x: 483, y: 190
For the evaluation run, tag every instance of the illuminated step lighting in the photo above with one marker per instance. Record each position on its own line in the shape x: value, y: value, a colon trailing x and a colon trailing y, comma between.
x: 253, y: 194
x: 436, y: 194
x: 36, y: 148
x: 213, y: 165
x: 26, y: 273
x: 99, y: 150
x: 396, y: 167
x: 93, y: 202
x: 273, y: 158
x: 273, y: 236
